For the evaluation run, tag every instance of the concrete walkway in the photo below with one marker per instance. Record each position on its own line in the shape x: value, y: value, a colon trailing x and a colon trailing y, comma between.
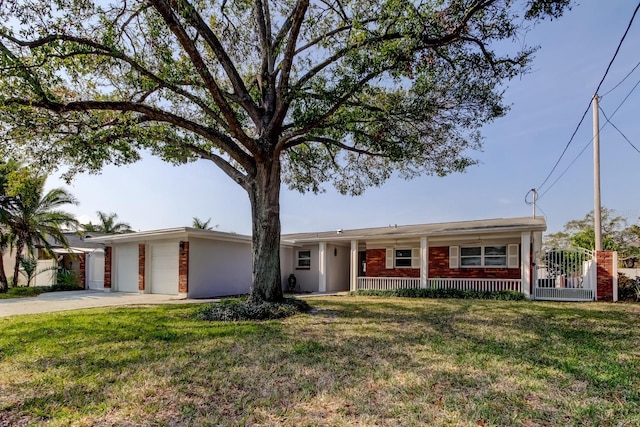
x: 75, y: 300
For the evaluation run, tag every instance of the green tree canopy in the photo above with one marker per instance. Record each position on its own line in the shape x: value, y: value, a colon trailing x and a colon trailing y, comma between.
x: 616, y: 234
x: 289, y: 91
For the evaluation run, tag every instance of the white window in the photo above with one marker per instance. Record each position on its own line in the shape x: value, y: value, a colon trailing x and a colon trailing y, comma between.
x: 403, y: 258
x: 304, y: 260
x: 483, y: 256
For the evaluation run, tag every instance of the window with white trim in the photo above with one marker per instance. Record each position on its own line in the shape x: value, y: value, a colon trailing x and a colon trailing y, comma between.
x: 483, y: 256
x: 402, y: 258
x: 304, y: 260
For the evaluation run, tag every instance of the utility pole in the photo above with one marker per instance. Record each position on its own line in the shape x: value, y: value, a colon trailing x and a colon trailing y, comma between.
x: 535, y: 196
x: 597, y: 216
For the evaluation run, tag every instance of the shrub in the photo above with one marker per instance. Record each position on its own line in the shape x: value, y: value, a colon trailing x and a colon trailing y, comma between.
x: 239, y: 310
x: 443, y: 293
x: 628, y: 288
x: 23, y: 291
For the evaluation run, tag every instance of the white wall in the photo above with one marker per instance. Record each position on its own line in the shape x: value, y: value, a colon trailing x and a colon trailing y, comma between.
x: 218, y: 268
x: 95, y: 269
x: 632, y: 273
x: 307, y: 279
x: 286, y: 264
x: 338, y: 260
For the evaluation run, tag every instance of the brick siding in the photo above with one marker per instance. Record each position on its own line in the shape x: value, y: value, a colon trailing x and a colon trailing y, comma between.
x: 108, y: 251
x: 83, y: 270
x: 141, y: 266
x: 605, y: 268
x: 183, y: 268
x: 439, y: 267
x: 376, y: 266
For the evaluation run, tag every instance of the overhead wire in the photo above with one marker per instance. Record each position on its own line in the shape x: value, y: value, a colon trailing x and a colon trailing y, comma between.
x: 621, y: 81
x: 619, y: 131
x: 564, y: 151
x: 608, y: 121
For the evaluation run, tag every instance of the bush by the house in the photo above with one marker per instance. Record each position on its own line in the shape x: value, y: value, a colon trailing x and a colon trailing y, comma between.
x: 443, y: 293
x: 628, y: 288
x: 34, y: 291
x: 239, y: 310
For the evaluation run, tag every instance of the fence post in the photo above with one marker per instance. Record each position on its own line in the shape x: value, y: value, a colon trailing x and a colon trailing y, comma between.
x: 606, y: 279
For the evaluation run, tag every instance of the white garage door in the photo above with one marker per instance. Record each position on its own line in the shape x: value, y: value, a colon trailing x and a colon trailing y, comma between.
x: 164, y: 268
x: 126, y: 268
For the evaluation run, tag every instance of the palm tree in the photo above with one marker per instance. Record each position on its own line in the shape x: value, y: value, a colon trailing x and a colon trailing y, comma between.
x: 203, y: 225
x: 107, y: 225
x: 36, y: 216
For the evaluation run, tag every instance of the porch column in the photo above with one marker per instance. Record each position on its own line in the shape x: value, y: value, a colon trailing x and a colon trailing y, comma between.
x: 322, y: 267
x: 525, y: 263
x: 424, y: 262
x: 353, y: 266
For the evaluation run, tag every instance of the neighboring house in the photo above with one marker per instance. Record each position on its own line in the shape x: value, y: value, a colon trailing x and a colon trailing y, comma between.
x: 83, y: 258
x: 488, y: 254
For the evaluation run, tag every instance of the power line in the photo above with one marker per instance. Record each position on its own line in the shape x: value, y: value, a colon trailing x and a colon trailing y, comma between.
x: 621, y: 81
x: 589, y: 105
x: 608, y: 121
x: 619, y: 131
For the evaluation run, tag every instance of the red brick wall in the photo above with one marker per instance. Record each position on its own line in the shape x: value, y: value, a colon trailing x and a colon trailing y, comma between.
x: 83, y: 270
x: 108, y: 251
x: 605, y: 268
x: 439, y: 267
x: 376, y: 262
x: 141, y: 266
x: 183, y: 268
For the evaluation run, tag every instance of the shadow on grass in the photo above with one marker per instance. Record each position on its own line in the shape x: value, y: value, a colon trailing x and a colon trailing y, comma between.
x: 389, y: 359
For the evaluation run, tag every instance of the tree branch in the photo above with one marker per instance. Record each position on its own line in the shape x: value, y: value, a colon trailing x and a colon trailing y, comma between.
x: 194, y: 18
x: 235, y: 128
x: 220, y: 139
x: 330, y: 141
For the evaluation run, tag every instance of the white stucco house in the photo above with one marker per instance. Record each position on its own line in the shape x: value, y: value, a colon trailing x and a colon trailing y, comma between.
x: 493, y: 254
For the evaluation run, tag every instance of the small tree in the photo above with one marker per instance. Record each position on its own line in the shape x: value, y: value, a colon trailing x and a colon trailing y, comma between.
x: 29, y: 267
x: 35, y: 216
x: 204, y: 225
x: 108, y: 224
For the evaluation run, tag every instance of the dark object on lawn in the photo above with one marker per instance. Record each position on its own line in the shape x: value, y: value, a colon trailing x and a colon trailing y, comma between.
x: 291, y: 282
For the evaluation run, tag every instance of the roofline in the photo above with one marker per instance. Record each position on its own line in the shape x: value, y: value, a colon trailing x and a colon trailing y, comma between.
x: 177, y: 232
x: 437, y: 233
x: 184, y: 232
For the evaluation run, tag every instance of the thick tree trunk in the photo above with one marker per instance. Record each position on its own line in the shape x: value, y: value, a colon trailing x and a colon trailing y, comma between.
x: 264, y: 194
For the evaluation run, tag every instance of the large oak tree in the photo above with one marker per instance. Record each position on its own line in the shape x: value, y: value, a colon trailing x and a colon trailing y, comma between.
x: 296, y: 91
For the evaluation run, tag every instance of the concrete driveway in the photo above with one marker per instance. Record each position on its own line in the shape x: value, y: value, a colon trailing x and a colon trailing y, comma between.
x: 74, y: 300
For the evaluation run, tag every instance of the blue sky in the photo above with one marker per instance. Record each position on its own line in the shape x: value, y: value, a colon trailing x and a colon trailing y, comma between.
x: 519, y: 151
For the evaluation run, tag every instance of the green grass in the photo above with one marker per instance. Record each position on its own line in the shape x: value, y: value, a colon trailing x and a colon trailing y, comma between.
x: 352, y: 361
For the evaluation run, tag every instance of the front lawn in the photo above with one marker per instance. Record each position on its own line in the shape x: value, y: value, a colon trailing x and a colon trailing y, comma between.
x: 354, y: 361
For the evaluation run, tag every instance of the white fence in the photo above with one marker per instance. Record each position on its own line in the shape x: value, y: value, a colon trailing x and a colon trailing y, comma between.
x: 392, y: 283
x: 491, y: 285
x: 387, y: 283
